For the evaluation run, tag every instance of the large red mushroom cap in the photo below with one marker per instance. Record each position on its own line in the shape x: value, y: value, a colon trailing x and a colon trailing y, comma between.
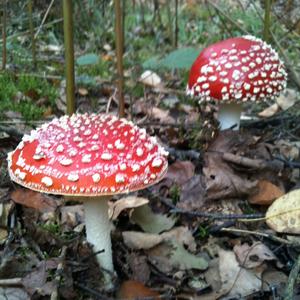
x: 237, y: 69
x: 87, y: 155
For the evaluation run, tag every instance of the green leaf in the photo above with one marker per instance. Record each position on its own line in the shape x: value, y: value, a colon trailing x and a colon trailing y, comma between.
x: 181, y: 58
x: 152, y: 63
x: 151, y: 222
x: 87, y: 59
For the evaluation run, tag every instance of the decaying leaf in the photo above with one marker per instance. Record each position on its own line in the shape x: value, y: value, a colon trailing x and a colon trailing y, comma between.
x: 287, y: 99
x: 35, y: 200
x: 266, y: 194
x: 290, y: 150
x: 13, y: 293
x: 132, y: 290
x: 269, y: 111
x: 284, y: 214
x: 139, y: 267
x: 237, y: 281
x: 141, y: 240
x: 253, y: 256
x: 222, y: 180
x: 115, y: 208
x: 169, y: 256
x: 151, y: 222
x: 180, y: 171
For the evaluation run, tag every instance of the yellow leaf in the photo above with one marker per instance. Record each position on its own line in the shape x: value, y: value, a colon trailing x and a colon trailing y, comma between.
x: 284, y: 214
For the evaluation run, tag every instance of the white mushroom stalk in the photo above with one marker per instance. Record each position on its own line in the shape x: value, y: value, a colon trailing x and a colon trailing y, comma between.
x: 98, y: 229
x: 229, y: 115
x: 89, y: 158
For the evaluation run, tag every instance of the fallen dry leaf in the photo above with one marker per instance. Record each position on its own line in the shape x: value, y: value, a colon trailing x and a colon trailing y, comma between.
x: 115, y: 208
x: 171, y: 256
x: 237, y: 282
x: 253, y: 256
x: 288, y: 150
x: 140, y: 240
x: 287, y: 99
x: 269, y: 111
x: 192, y: 194
x: 222, y: 181
x: 284, y: 214
x: 180, y: 171
x: 139, y: 267
x: 133, y: 290
x: 266, y: 194
x: 35, y: 200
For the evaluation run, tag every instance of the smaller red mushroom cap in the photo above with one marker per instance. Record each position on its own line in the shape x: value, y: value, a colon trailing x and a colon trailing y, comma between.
x: 87, y: 155
x: 237, y: 69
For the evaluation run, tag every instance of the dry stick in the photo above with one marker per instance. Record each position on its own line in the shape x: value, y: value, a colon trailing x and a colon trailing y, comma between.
x: 59, y: 271
x: 44, y: 19
x: 267, y: 21
x: 69, y: 55
x: 176, y: 25
x: 289, y: 289
x: 11, y: 282
x: 262, y: 234
x: 4, y: 15
x: 32, y: 37
x: 119, y: 50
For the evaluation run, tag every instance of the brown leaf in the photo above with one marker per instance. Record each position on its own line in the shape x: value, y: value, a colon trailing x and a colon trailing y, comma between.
x: 192, y: 194
x: 139, y: 267
x: 287, y: 99
x: 222, y: 181
x: 266, y: 194
x: 288, y: 150
x: 132, y: 290
x: 253, y: 256
x: 237, y: 281
x: 35, y: 200
x: 180, y: 171
x: 115, y: 208
x: 269, y: 111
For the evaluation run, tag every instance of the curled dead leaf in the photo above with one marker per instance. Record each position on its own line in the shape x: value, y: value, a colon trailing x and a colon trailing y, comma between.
x: 115, y: 208
x: 269, y: 111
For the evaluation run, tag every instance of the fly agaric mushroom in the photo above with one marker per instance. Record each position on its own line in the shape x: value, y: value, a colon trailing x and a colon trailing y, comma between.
x: 89, y: 158
x: 234, y: 71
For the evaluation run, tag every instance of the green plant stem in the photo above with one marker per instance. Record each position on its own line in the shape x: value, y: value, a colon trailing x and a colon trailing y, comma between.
x: 267, y: 21
x: 31, y: 28
x: 119, y: 54
x: 289, y: 290
x: 4, y: 15
x: 69, y: 55
x: 176, y: 25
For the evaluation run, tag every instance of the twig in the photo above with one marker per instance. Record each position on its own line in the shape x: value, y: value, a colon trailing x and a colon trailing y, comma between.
x: 69, y: 55
x: 267, y: 21
x: 11, y: 282
x: 31, y: 33
x: 216, y: 216
x: 58, y: 273
x: 4, y: 16
x: 119, y: 54
x: 184, y: 154
x: 44, y: 19
x: 262, y: 234
x: 93, y: 292
x: 289, y: 289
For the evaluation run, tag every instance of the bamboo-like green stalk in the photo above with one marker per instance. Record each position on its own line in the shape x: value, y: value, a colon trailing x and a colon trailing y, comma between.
x: 31, y: 32
x: 69, y: 55
x: 267, y: 21
x: 176, y: 25
x: 4, y: 16
x: 119, y: 54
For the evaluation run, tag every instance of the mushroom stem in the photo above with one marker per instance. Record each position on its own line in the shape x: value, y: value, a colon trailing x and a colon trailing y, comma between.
x: 229, y: 115
x: 98, y: 228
